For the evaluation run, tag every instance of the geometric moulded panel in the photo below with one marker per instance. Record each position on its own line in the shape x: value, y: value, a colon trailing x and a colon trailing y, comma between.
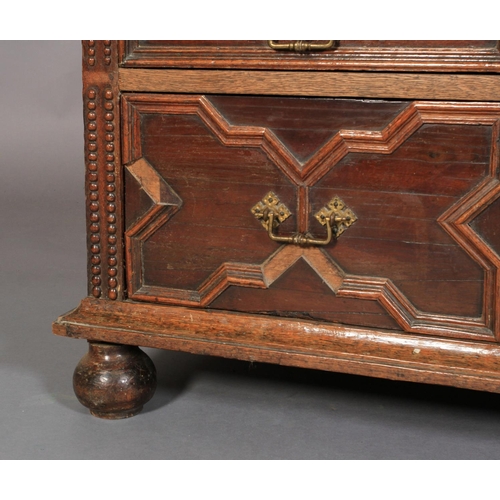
x: 415, y: 192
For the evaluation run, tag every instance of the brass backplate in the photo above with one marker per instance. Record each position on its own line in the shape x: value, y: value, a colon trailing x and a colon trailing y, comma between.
x: 338, y: 213
x: 271, y: 202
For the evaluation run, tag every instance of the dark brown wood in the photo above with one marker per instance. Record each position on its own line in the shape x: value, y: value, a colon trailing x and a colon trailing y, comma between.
x: 292, y: 342
x: 102, y: 154
x: 398, y: 165
x: 184, y: 138
x: 114, y: 381
x: 360, y: 55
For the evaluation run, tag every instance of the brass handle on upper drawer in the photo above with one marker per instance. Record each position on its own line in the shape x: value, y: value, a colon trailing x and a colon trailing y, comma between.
x: 300, y: 45
x: 335, y: 216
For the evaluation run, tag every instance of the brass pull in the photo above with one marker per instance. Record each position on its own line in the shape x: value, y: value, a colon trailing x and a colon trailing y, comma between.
x: 335, y: 216
x: 300, y: 45
x: 298, y: 238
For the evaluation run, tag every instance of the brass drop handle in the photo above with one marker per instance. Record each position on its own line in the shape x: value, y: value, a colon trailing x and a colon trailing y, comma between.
x: 335, y: 216
x: 300, y: 45
x: 299, y: 238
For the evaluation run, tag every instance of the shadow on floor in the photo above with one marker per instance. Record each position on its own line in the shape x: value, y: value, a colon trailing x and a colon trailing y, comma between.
x: 176, y: 370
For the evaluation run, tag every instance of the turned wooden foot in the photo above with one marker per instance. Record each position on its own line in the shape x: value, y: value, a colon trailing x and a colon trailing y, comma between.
x: 114, y: 381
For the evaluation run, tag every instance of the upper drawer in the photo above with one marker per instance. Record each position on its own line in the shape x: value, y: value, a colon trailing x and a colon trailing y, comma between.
x: 355, y: 55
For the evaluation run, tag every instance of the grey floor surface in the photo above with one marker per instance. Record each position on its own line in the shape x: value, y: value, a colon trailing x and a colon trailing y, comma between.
x: 205, y: 408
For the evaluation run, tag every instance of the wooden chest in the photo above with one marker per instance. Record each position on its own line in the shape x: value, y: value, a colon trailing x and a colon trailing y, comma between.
x: 324, y: 204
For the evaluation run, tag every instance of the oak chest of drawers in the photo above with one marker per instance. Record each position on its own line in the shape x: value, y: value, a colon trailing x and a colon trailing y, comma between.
x: 324, y: 204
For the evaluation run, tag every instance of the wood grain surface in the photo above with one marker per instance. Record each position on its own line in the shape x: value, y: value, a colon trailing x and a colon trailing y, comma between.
x: 293, y: 342
x: 409, y: 170
x: 359, y: 55
x: 301, y: 83
x: 183, y: 138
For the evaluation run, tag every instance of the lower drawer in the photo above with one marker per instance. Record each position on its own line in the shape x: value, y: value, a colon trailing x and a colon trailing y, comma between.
x: 229, y: 202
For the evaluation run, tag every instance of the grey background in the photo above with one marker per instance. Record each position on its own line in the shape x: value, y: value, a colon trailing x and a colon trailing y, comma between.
x: 204, y: 408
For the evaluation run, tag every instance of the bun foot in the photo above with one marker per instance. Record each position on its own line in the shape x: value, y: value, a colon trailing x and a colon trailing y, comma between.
x: 114, y: 381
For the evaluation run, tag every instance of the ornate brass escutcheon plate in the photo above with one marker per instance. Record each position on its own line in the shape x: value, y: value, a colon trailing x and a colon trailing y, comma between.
x: 336, y: 216
x: 271, y: 204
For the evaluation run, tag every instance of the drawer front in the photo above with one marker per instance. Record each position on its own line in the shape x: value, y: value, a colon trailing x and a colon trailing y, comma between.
x: 361, y: 55
x: 416, y: 186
